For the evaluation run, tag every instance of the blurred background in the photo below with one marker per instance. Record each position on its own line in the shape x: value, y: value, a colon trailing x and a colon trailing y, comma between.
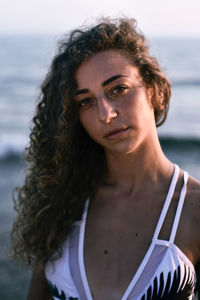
x: 29, y: 32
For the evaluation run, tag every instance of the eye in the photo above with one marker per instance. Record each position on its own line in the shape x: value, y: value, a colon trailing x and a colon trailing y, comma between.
x: 85, y: 102
x: 119, y: 90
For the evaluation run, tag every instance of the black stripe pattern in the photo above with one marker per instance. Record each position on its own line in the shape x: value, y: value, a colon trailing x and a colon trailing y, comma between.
x: 174, y: 288
x: 59, y: 295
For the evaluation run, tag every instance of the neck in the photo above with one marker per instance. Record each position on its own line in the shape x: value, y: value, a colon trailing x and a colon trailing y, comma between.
x: 146, y: 165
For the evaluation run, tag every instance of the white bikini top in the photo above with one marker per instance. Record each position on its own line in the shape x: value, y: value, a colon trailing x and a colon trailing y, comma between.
x: 164, y: 273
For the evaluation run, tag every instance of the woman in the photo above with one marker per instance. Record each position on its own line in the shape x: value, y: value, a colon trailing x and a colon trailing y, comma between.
x: 103, y: 214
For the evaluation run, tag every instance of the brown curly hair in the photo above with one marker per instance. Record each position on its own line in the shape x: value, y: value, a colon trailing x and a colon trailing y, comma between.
x: 65, y: 166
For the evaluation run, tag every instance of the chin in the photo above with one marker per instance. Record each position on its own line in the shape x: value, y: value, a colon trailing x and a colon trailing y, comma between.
x: 122, y: 149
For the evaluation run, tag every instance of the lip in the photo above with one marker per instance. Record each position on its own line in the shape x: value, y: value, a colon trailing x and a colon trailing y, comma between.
x: 116, y: 133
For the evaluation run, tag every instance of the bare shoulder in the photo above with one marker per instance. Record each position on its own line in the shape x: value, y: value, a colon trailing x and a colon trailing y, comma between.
x: 38, y: 288
x: 192, y: 204
x: 193, y: 191
x: 189, y: 237
x: 193, y: 199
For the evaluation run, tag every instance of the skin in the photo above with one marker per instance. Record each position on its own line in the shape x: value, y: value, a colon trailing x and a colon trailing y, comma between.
x: 124, y: 103
x: 138, y: 175
x: 39, y: 288
x: 115, y: 109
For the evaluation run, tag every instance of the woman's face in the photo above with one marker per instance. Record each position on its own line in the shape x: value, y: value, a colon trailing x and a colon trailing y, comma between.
x: 114, y: 105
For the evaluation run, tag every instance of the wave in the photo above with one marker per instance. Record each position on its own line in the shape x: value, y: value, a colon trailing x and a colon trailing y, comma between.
x: 186, y: 82
x: 12, y: 155
x: 12, y: 147
x: 169, y: 143
x: 180, y: 143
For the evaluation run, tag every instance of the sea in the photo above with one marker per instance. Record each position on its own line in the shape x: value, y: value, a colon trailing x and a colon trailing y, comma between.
x: 24, y: 61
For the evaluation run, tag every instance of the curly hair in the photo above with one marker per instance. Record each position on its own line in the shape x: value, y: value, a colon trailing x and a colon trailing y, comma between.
x: 65, y: 166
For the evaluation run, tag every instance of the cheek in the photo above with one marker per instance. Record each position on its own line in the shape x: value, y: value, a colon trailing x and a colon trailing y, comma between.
x: 85, y: 120
x: 89, y: 123
x: 139, y: 112
x: 93, y: 129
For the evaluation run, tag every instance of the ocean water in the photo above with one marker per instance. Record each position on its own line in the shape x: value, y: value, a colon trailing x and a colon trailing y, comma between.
x: 23, y: 63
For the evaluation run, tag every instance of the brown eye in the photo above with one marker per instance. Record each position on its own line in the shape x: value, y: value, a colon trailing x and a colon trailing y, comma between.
x: 119, y: 90
x: 85, y: 102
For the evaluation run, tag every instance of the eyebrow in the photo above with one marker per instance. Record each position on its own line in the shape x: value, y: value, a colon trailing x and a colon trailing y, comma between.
x: 109, y: 80
x: 106, y: 82
x: 84, y: 91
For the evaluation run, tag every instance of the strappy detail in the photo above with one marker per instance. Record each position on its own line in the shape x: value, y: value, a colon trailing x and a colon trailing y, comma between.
x: 179, y: 208
x: 163, y: 270
x: 168, y: 202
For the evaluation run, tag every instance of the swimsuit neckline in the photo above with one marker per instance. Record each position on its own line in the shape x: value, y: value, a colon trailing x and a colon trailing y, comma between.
x: 155, y: 239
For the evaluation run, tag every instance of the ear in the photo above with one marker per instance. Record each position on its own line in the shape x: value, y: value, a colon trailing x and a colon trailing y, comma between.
x: 150, y: 95
x: 156, y: 98
x: 161, y: 100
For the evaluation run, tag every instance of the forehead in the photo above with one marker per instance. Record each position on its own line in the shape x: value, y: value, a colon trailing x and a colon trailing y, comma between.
x: 104, y: 65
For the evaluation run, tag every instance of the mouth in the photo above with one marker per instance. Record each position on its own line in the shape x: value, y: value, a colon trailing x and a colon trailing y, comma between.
x: 116, y: 133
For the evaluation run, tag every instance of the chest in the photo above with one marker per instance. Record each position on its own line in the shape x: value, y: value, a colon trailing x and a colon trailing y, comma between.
x: 112, y: 256
x: 116, y: 244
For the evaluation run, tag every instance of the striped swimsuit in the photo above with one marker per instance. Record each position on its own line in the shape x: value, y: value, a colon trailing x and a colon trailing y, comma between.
x: 164, y: 273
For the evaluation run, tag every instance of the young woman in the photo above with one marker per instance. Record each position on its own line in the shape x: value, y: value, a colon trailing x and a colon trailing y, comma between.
x: 103, y: 214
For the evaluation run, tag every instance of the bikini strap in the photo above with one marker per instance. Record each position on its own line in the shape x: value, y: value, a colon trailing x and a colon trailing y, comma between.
x: 179, y: 208
x: 167, y: 202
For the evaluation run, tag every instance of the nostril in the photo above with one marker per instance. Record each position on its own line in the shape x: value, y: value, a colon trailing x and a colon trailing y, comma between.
x: 106, y: 110
x: 106, y: 117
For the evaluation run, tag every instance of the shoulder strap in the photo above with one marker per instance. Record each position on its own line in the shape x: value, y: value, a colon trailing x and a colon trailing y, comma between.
x: 76, y: 259
x: 167, y: 202
x: 179, y: 208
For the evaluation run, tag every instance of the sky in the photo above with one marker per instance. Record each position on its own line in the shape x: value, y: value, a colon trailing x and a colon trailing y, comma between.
x: 155, y: 17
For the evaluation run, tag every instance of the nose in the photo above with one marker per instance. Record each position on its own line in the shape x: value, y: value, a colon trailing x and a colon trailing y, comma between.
x: 106, y: 110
